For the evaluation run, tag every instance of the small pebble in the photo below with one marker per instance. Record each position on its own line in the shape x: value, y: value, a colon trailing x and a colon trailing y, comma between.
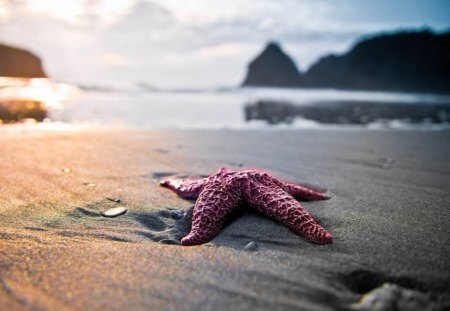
x: 67, y: 170
x: 114, y: 212
x: 251, y: 246
x: 387, y: 162
x: 89, y: 184
x: 115, y: 200
x: 176, y: 214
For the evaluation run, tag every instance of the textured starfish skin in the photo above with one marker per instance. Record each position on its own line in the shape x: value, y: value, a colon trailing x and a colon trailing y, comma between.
x: 220, y: 194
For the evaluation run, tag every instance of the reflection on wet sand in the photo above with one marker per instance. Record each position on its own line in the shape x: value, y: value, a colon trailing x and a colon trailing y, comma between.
x: 19, y: 110
x: 347, y: 112
x: 24, y: 98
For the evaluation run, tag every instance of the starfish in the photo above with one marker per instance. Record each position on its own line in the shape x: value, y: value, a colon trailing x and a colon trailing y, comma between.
x: 222, y: 193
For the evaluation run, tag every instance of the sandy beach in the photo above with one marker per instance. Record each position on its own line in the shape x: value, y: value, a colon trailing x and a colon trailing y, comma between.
x: 388, y: 213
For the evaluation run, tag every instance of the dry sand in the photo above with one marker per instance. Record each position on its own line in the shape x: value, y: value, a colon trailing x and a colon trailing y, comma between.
x: 389, y: 215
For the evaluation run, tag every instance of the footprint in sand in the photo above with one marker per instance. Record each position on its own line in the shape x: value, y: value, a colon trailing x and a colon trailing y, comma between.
x: 165, y: 226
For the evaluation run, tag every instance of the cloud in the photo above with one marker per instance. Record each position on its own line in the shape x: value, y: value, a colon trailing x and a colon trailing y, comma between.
x: 113, y: 59
x: 221, y: 51
x: 193, y: 42
x: 76, y: 12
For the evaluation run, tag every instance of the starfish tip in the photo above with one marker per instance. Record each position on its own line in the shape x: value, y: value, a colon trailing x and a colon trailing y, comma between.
x: 163, y: 183
x: 327, y: 238
x: 187, y: 241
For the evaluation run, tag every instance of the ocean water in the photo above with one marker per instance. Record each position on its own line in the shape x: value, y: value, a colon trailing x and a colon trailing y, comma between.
x: 216, y: 109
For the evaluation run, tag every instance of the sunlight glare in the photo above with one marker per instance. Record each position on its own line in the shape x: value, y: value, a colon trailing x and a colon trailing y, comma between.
x: 75, y: 11
x: 63, y: 9
x: 4, y: 12
x: 52, y: 95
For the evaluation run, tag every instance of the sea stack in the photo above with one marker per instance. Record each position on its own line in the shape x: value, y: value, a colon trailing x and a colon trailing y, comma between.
x: 272, y: 68
x: 16, y: 62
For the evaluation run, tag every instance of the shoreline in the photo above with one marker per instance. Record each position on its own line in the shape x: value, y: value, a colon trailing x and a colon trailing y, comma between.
x: 31, y: 127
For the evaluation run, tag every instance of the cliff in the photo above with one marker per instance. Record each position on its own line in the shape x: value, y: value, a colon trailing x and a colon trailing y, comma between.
x: 402, y: 61
x: 15, y: 62
x: 405, y: 61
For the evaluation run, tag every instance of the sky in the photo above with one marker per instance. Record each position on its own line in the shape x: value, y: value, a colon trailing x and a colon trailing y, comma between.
x: 196, y: 43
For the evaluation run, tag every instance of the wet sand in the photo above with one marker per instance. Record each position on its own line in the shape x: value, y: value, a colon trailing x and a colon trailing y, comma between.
x: 389, y: 216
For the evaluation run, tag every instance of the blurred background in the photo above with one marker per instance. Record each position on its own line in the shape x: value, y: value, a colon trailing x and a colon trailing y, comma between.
x: 226, y: 64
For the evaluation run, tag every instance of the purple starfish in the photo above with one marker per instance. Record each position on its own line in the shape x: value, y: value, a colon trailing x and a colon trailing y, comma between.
x: 222, y: 193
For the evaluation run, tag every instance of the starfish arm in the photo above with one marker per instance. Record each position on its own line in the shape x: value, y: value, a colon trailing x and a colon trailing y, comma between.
x: 190, y: 188
x: 298, y: 192
x: 275, y: 203
x: 302, y: 193
x: 215, y: 203
x: 185, y: 188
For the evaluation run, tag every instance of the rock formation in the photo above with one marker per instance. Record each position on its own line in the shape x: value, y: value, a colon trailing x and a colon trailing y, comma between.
x: 15, y: 62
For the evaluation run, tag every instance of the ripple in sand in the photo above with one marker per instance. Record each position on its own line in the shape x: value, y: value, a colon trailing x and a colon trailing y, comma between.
x: 114, y: 212
x: 115, y: 200
x: 163, y: 151
x: 158, y: 175
x: 169, y: 242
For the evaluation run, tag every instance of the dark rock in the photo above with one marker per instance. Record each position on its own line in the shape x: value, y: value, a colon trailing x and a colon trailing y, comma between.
x: 15, y: 62
x: 402, y: 61
x: 272, y: 68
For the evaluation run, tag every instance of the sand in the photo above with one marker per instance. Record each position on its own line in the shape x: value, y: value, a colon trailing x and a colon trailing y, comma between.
x: 389, y: 215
